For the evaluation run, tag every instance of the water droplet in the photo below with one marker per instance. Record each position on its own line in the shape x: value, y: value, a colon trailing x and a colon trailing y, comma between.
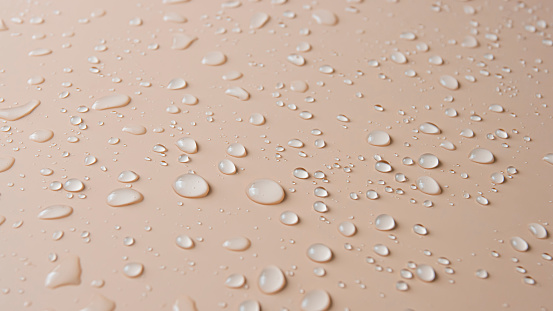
x: 481, y: 155
x: 301, y: 173
x: 6, y: 162
x: 227, y: 167
x: 289, y: 218
x: 548, y: 158
x: 124, y: 197
x: 73, y: 185
x: 295, y: 143
x: 384, y: 222
x: 249, y: 305
x: 420, y: 229
x: 188, y: 145
x: 320, y: 192
x: 214, y: 58
x: 449, y: 82
x: 271, y: 280
x: 235, y: 280
x: 133, y: 269
x: 68, y: 272
x: 237, y: 150
x: 182, y: 41
x: 238, y: 92
x: 18, y: 112
x: 381, y: 250
x: 347, y: 228
x: 55, y: 212
x: 257, y: 119
x: 41, y: 136
x: 498, y: 178
x: 127, y: 177
x: 324, y: 17
x: 265, y: 191
x: 111, y: 101
x: 372, y: 195
x: 184, y: 241
x: 184, y: 302
x: 296, y: 59
x: 319, y: 253
x: 259, y: 20
x: 519, y: 244
x: 481, y: 273
x: 298, y: 86
x: 176, y: 84
x: 435, y: 60
x: 429, y: 128
x: 425, y: 273
x: 316, y: 300
x: 191, y: 186
x: 428, y: 161
x: 378, y: 138
x: 237, y: 244
x: 40, y: 52
x: 538, y: 230
x: 428, y: 185
x: 398, y: 57
x: 469, y: 42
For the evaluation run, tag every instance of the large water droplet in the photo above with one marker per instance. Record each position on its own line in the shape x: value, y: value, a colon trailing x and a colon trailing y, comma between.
x: 428, y: 185
x: 319, y: 253
x: 481, y: 155
x: 41, y: 136
x: 384, y: 222
x: 378, y: 138
x: 133, y: 269
x: 538, y: 230
x: 265, y: 191
x: 124, y: 197
x: 316, y: 300
x: 519, y: 244
x: 188, y: 145
x: 237, y: 244
x: 271, y: 280
x: 111, y: 101
x: 324, y: 17
x: 18, y: 112
x: 55, y: 212
x: 425, y: 273
x: 191, y: 186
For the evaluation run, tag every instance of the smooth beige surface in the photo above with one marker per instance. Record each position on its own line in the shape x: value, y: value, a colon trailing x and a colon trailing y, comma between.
x: 344, y: 68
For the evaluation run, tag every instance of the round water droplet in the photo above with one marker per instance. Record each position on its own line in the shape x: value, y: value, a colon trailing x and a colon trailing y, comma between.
x: 481, y: 273
x: 73, y: 185
x: 301, y: 173
x: 271, y: 280
x: 428, y: 161
x: 383, y: 166
x: 347, y: 228
x: 227, y: 167
x: 191, y: 186
x: 372, y: 195
x: 320, y: 192
x: 428, y: 185
x: 265, y: 191
x: 237, y: 150
x: 237, y: 244
x: 124, y: 197
x: 319, y: 253
x: 289, y: 218
x: 384, y: 222
x: 257, y: 119
x: 381, y: 250
x: 519, y: 244
x: 316, y: 300
x: 481, y: 155
x: 425, y: 273
x: 498, y: 178
x: 378, y: 138
x: 133, y: 269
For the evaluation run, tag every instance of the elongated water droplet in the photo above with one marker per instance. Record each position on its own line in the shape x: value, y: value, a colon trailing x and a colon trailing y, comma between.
x: 319, y: 253
x: 124, y: 197
x: 265, y: 191
x: 55, y: 212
